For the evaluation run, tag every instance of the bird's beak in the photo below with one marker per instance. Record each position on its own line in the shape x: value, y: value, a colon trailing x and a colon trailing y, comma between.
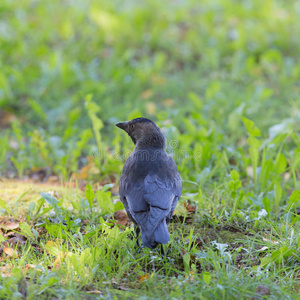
x: 123, y: 125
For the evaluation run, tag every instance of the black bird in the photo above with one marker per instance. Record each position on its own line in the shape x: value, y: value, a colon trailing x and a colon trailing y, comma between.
x: 150, y: 184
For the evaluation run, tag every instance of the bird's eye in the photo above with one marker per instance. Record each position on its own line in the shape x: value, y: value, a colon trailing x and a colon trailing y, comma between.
x: 131, y: 126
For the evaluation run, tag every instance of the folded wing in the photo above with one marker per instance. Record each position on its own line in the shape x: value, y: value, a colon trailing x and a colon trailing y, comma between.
x: 150, y: 202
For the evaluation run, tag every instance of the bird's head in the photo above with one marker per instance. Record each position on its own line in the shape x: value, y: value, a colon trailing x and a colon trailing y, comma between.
x: 143, y: 132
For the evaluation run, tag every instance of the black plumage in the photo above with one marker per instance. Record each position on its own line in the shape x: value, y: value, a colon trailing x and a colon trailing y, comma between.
x: 150, y: 184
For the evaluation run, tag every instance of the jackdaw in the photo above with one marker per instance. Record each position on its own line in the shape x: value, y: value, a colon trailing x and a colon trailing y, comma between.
x: 150, y: 184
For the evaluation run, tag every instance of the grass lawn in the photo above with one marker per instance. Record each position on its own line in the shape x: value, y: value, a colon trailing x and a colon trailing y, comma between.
x: 220, y: 78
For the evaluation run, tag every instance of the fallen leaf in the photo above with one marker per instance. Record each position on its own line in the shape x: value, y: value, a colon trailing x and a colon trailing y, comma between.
x: 17, y: 239
x: 10, y: 225
x: 121, y: 217
x: 190, y: 208
x: 143, y: 278
x: 11, y: 252
x: 51, y: 244
x: 191, y: 276
x: 32, y: 266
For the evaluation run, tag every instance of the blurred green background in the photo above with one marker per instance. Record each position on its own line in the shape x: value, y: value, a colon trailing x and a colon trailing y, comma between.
x: 69, y: 70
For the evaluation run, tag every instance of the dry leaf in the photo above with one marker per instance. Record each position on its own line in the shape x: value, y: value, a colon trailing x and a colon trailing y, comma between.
x: 143, y: 278
x: 10, y: 225
x: 121, y: 217
x: 191, y: 276
x: 17, y: 239
x: 11, y: 252
x: 51, y: 244
x: 190, y: 208
x: 32, y: 266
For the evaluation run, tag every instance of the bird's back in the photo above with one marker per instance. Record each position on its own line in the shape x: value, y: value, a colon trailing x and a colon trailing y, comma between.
x: 149, y: 188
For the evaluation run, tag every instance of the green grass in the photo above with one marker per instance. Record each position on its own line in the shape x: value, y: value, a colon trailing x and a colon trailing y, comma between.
x: 221, y: 78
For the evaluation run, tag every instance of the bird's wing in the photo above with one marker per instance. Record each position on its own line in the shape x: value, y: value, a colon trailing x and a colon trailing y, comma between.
x: 152, y: 198
x: 130, y: 188
x: 155, y: 198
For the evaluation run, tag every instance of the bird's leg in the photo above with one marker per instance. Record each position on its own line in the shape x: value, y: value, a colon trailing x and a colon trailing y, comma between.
x: 162, y: 251
x: 137, y: 233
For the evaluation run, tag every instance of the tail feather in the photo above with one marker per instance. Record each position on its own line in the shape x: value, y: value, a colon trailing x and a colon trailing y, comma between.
x: 161, y: 234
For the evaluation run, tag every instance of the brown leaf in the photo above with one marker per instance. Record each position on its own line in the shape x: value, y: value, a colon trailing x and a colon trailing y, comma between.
x: 11, y: 252
x: 83, y: 173
x: 190, y: 208
x: 143, y: 278
x: 190, y: 277
x: 17, y: 239
x: 10, y: 225
x: 32, y: 266
x: 121, y: 217
x: 51, y: 244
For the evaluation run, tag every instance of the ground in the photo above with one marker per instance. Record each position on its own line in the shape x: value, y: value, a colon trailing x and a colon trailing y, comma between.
x: 221, y: 80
